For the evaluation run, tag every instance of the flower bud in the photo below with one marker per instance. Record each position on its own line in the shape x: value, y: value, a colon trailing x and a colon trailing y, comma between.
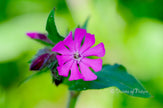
x: 39, y: 36
x: 40, y: 62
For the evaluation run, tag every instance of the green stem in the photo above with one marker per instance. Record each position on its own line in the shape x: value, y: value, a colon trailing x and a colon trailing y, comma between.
x: 73, y: 99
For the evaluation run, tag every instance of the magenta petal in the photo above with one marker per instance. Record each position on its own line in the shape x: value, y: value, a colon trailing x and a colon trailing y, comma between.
x: 79, y: 35
x: 98, y: 51
x: 68, y: 41
x: 60, y: 48
x: 63, y: 59
x: 95, y: 64
x: 87, y: 73
x: 75, y: 74
x: 88, y: 42
x: 63, y: 70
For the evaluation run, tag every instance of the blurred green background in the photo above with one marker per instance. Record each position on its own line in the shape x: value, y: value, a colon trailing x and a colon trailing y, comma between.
x: 132, y: 31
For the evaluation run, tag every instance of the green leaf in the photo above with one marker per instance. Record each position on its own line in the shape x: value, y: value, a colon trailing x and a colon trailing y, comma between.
x: 51, y: 28
x: 33, y: 75
x: 84, y: 26
x: 111, y: 75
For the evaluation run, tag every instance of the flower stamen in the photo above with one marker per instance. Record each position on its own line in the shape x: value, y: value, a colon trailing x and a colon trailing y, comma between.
x: 77, y: 56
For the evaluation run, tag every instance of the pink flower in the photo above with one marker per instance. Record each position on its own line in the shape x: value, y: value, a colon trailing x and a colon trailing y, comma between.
x: 73, y: 55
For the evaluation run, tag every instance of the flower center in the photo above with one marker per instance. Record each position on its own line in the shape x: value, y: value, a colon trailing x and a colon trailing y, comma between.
x: 77, y: 55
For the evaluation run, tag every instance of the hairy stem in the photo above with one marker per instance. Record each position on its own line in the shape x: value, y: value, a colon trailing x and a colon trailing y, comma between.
x: 73, y: 99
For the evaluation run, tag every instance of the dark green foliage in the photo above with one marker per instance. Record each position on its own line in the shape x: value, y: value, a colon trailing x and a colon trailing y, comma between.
x: 51, y: 28
x: 141, y: 9
x: 84, y: 26
x: 112, y: 75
